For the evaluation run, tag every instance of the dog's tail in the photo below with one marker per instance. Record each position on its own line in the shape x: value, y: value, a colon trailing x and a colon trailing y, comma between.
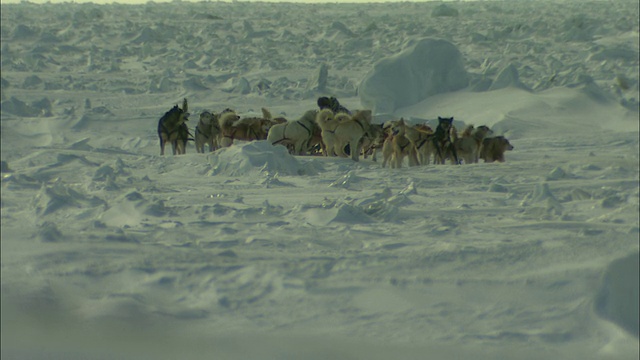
x: 266, y: 114
x: 185, y: 105
x: 364, y: 116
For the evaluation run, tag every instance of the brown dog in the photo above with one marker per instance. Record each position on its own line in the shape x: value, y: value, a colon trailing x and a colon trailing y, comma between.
x: 397, y: 146
x: 493, y: 149
x: 469, y: 144
x: 421, y: 137
x: 373, y: 140
x: 245, y: 129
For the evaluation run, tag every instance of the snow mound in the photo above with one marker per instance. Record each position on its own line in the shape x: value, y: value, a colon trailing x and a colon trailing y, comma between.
x: 52, y: 198
x: 255, y: 157
x: 22, y: 32
x: 20, y: 108
x: 336, y: 213
x: 444, y: 10
x: 508, y: 77
x: 131, y: 209
x: 617, y: 300
x: 430, y: 67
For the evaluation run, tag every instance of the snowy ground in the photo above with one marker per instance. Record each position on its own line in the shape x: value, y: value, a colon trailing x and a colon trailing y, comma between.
x: 111, y: 251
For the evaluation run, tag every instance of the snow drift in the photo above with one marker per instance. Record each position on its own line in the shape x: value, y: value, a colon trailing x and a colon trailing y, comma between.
x: 429, y: 67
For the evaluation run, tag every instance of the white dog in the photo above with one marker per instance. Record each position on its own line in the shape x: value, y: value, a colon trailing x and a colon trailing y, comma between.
x: 297, y: 133
x: 207, y: 132
x: 344, y: 129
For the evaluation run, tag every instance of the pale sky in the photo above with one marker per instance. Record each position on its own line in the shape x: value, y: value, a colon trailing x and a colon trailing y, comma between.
x: 145, y: 1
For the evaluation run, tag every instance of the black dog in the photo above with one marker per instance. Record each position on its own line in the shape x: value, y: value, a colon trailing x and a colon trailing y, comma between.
x: 442, y: 140
x: 172, y: 129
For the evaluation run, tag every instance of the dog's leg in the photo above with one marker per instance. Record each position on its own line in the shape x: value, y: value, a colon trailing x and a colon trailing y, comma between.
x: 438, y: 158
x: 354, y: 148
x: 386, y: 153
x: 329, y: 143
x: 454, y: 154
x: 413, y: 156
x: 299, y: 146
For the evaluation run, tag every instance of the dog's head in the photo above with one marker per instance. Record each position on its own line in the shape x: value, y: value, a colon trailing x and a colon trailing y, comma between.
x: 445, y: 123
x: 505, y: 144
x: 207, y: 117
x: 279, y: 120
x: 397, y: 127
x: 265, y: 125
x: 324, y: 102
x: 499, y: 143
x: 483, y: 129
x: 324, y: 116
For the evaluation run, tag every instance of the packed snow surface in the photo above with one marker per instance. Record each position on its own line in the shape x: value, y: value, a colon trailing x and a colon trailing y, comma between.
x: 111, y: 251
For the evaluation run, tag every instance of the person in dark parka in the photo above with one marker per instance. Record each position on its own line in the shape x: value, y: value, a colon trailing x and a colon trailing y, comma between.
x: 333, y: 104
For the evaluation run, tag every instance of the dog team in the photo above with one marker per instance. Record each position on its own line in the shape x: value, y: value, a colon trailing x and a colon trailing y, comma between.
x: 333, y: 130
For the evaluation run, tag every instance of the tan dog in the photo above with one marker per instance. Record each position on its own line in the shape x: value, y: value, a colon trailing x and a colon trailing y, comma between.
x: 207, y: 132
x: 245, y: 129
x: 297, y: 133
x: 327, y: 123
x: 397, y: 146
x: 493, y: 149
x: 469, y: 144
x: 252, y: 128
x: 349, y: 131
x: 373, y: 140
x: 421, y: 137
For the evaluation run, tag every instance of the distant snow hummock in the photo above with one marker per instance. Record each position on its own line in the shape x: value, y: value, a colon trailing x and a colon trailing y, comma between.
x: 257, y: 156
x: 431, y: 66
x: 617, y: 299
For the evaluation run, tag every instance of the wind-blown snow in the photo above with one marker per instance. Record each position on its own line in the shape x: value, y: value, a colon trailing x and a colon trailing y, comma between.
x: 111, y: 251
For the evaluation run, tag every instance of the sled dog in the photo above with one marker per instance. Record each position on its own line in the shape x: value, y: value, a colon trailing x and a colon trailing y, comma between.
x: 297, y: 133
x: 443, y: 140
x: 493, y: 149
x: 373, y: 140
x: 233, y: 128
x: 469, y: 144
x: 171, y: 129
x: 207, y: 132
x: 327, y: 123
x: 349, y: 131
x: 421, y: 138
x: 397, y: 146
x: 226, y: 121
